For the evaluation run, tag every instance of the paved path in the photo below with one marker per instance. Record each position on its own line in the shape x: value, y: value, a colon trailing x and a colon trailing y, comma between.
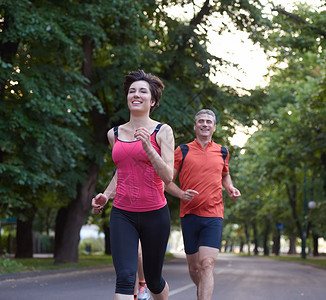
x: 236, y: 278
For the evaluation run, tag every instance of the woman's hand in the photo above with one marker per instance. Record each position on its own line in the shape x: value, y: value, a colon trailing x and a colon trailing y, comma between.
x: 145, y: 136
x: 98, y: 203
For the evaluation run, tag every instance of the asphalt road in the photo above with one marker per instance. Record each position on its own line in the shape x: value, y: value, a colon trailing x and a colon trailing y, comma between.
x: 236, y: 278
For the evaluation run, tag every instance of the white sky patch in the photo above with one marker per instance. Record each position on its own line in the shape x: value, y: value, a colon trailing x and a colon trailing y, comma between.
x: 242, y: 135
x: 236, y: 47
x: 90, y: 231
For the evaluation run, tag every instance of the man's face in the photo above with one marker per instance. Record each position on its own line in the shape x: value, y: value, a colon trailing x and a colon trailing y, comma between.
x: 204, y: 126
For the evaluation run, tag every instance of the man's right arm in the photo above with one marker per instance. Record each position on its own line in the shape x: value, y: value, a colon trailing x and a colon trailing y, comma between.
x: 175, y: 191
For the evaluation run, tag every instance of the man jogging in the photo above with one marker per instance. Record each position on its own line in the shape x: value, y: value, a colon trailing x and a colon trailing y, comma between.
x: 202, y: 166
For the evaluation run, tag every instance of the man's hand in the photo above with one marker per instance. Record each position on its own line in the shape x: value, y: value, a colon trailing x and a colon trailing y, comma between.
x: 189, y: 195
x: 98, y: 202
x: 234, y: 193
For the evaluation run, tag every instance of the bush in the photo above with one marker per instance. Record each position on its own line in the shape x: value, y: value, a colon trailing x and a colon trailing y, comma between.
x: 91, y: 245
x: 8, y: 265
x: 8, y: 242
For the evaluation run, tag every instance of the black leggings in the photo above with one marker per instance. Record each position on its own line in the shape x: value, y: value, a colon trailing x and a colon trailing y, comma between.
x: 153, y: 230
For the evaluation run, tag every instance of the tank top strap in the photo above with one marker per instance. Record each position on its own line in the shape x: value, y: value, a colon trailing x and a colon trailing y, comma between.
x: 115, y: 129
x: 158, y: 128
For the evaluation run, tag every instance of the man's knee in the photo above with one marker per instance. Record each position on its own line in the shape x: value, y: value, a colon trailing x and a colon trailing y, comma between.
x: 207, y: 263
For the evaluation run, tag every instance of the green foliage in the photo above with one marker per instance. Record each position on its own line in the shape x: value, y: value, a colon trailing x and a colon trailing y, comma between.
x: 8, y: 236
x: 8, y: 265
x: 55, y: 112
x: 292, y: 129
x: 320, y: 262
x: 89, y: 246
x: 44, y: 103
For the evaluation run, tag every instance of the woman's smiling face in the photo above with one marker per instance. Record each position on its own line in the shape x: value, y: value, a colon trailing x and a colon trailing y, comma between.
x: 139, y: 96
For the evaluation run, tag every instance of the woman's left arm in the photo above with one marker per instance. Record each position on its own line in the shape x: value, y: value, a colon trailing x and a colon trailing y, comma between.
x: 163, y: 164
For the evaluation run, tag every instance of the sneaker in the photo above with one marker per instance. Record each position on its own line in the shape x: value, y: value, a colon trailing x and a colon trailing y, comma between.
x: 143, y: 293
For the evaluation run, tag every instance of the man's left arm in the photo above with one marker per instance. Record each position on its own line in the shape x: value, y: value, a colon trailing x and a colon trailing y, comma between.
x: 228, y: 185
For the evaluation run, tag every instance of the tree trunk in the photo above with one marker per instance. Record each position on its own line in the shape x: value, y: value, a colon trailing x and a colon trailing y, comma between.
x: 226, y: 246
x: 72, y: 219
x: 241, y: 246
x: 1, y: 250
x: 75, y: 215
x: 276, y: 243
x: 24, y: 237
x: 106, y: 229
x: 247, y: 234
x: 292, y: 195
x: 292, y: 249
x: 323, y: 160
x: 266, y: 238
x: 254, y: 227
x: 60, y: 223
x: 315, y: 241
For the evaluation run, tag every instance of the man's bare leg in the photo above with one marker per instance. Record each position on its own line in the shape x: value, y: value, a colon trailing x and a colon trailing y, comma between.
x: 193, y: 267
x: 201, y: 270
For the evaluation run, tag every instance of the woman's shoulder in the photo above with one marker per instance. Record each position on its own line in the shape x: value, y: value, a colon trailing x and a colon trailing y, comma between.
x: 112, y: 132
x: 114, y: 129
x: 166, y: 127
x: 164, y: 130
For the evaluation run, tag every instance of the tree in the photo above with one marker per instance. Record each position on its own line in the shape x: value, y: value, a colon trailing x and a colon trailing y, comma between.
x: 63, y: 65
x: 177, y: 40
x: 292, y: 128
x: 43, y: 98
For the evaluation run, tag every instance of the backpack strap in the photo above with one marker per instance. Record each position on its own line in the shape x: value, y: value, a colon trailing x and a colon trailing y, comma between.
x: 184, y: 150
x: 224, y: 152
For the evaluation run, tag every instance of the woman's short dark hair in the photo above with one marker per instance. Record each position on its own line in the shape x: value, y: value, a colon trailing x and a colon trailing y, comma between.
x: 156, y: 86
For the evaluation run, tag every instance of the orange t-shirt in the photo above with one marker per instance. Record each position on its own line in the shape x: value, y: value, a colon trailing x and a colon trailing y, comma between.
x: 202, y: 171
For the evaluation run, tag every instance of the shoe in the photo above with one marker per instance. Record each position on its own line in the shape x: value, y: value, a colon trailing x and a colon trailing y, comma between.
x: 143, y: 293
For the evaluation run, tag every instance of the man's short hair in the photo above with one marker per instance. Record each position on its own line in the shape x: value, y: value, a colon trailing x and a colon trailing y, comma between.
x: 205, y: 111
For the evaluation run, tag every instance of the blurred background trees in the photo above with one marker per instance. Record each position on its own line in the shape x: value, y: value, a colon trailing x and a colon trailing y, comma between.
x: 62, y: 68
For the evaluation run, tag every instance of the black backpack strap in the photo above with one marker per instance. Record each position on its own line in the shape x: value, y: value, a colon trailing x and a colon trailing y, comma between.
x: 184, y: 150
x: 224, y: 152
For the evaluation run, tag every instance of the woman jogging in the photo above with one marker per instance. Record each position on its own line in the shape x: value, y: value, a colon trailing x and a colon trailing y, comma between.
x: 143, y: 151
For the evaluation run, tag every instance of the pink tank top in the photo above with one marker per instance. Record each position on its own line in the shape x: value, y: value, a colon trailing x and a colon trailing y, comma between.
x: 139, y: 188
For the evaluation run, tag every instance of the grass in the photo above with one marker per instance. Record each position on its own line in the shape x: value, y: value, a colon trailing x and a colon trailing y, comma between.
x: 18, y: 265
x: 319, y: 261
